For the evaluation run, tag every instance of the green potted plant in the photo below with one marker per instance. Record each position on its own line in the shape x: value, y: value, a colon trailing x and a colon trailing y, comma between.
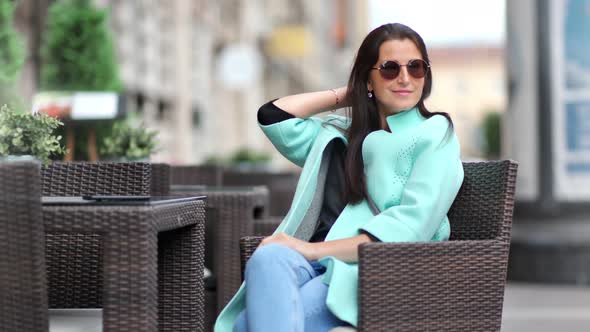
x: 249, y: 159
x: 129, y: 143
x: 27, y: 134
x: 78, y: 54
x: 491, y: 126
x: 12, y: 57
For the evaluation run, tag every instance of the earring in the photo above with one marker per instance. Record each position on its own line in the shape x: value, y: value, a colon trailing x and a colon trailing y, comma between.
x: 370, y: 94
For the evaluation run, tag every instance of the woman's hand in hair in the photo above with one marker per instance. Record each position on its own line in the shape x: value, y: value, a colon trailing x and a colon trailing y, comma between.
x: 308, y: 104
x: 306, y: 249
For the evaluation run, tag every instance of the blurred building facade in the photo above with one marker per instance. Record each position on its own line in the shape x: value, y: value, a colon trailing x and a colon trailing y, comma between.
x: 468, y: 82
x: 199, y: 70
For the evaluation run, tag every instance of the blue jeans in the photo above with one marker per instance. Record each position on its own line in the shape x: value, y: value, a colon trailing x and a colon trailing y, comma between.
x: 284, y: 292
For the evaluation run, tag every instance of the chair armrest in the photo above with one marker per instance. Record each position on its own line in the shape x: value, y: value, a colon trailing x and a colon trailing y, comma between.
x: 247, y: 246
x: 266, y: 226
x: 432, y: 286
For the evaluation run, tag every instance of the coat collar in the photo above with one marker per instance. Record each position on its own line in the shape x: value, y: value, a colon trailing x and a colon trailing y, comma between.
x: 404, y: 119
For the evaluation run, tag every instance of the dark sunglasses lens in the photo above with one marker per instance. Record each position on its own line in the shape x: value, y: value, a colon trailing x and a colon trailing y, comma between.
x: 417, y: 68
x: 389, y: 70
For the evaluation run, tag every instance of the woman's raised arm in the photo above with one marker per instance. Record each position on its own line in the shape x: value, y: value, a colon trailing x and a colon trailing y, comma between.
x: 308, y: 104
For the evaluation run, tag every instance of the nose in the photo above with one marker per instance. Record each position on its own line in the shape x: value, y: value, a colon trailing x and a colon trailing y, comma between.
x: 404, y: 76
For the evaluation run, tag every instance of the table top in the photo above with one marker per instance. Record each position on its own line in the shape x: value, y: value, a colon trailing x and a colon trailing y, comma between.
x: 101, y: 200
x: 216, y: 189
x: 76, y: 214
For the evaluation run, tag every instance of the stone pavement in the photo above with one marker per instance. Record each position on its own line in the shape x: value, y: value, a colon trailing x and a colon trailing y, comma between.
x: 527, y: 308
x: 546, y: 308
x: 552, y: 251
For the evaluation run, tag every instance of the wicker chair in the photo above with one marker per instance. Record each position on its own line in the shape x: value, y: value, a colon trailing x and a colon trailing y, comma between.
x: 23, y: 286
x: 232, y: 212
x: 207, y: 175
x: 74, y: 261
x: 456, y: 285
x: 105, y: 178
x: 281, y: 188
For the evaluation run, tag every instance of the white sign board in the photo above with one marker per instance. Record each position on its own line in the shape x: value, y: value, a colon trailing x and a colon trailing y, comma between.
x: 570, y: 116
x: 78, y: 106
x: 94, y: 106
x: 239, y: 66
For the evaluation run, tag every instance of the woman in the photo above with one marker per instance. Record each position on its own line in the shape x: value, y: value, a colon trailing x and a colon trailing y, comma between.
x: 388, y: 172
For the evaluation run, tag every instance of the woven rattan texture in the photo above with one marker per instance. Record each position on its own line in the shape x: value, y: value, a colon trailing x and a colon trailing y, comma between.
x: 74, y: 270
x: 82, y: 178
x: 207, y: 175
x: 152, y: 267
x: 180, y: 271
x: 247, y: 246
x: 23, y: 288
x: 456, y: 285
x: 160, y: 180
x: 485, y: 199
x: 237, y: 210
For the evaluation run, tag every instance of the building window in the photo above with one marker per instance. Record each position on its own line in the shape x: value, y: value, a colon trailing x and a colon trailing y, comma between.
x: 163, y: 107
x: 197, y: 117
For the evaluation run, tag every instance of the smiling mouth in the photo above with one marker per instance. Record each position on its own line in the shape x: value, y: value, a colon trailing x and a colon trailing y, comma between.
x: 402, y: 92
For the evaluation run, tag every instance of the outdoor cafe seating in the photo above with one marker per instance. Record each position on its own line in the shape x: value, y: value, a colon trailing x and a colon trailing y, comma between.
x: 457, y: 285
x: 92, y: 261
x: 138, y: 261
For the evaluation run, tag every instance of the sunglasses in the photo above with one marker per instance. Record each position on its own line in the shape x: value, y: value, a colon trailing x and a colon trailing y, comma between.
x: 389, y: 70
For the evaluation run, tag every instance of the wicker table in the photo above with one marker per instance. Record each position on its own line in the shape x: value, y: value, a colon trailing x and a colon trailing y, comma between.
x: 151, y: 259
x: 236, y: 210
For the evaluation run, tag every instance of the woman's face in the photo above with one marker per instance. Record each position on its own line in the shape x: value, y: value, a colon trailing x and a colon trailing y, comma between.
x: 402, y: 92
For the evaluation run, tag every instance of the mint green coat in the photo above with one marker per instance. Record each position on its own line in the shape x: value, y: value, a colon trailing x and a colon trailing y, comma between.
x: 413, y: 175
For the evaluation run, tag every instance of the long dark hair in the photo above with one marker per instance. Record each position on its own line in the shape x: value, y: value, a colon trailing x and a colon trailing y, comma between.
x: 363, y: 111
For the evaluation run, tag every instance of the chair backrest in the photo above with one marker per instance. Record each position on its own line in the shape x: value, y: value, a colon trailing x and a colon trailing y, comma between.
x: 160, y: 179
x: 281, y: 186
x: 105, y: 178
x: 207, y: 175
x: 484, y: 205
x: 23, y: 285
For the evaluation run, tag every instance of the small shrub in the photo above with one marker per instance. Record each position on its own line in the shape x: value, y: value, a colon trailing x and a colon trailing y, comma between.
x: 29, y: 134
x: 129, y: 142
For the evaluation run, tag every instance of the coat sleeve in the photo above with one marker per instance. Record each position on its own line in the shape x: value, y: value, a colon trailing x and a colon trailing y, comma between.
x: 430, y: 190
x: 293, y: 138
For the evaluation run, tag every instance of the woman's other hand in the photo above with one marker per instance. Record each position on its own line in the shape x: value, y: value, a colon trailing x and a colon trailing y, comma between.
x: 306, y: 249
x: 345, y: 250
